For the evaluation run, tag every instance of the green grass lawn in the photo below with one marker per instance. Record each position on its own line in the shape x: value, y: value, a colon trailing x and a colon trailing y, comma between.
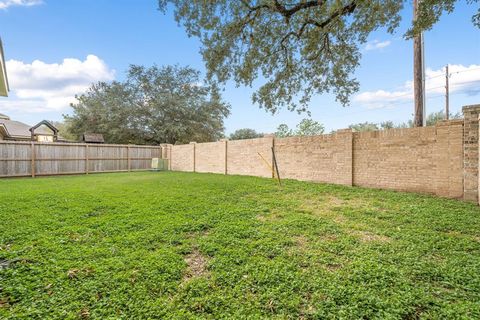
x: 182, y: 245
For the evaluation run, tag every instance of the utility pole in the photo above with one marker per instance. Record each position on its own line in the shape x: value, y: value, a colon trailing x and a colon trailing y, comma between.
x: 447, y: 97
x: 424, y: 91
x: 418, y: 77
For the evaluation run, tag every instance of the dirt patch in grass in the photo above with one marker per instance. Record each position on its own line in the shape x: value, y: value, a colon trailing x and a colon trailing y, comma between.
x: 271, y: 216
x: 335, y: 201
x: 4, y: 304
x: 196, y: 265
x: 84, y: 313
x: 367, y: 236
x: 328, y: 237
x: 301, y: 242
x: 333, y: 267
x: 340, y: 219
x: 198, y: 234
x: 78, y: 273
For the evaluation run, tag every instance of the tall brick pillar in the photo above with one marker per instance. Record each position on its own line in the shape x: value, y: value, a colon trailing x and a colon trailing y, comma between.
x: 470, y: 152
x: 166, y: 152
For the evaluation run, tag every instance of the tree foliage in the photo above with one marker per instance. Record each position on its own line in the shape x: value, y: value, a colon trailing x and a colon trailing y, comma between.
x: 434, y: 117
x: 309, y: 127
x: 306, y: 127
x: 284, y: 131
x: 154, y: 105
x: 299, y: 48
x: 245, y: 133
x: 431, y: 120
x: 364, y: 126
x: 64, y: 130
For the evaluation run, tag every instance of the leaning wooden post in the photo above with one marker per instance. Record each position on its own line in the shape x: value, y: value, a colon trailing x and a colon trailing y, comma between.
x: 276, y: 166
x: 32, y: 151
x: 273, y: 157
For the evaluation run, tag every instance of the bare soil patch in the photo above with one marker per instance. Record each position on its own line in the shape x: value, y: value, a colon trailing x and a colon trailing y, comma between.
x: 196, y: 265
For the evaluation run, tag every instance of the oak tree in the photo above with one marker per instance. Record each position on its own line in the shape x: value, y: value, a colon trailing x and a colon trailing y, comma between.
x: 153, y: 105
x: 296, y: 48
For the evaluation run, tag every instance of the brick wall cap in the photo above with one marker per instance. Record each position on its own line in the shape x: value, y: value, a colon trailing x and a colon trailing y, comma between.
x: 343, y: 130
x: 443, y: 123
x: 471, y: 108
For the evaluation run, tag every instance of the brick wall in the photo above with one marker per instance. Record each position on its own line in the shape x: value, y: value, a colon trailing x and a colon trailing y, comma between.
x: 419, y: 159
x: 244, y: 157
x: 181, y: 157
x: 441, y: 160
x: 325, y: 158
x: 210, y: 157
x: 449, y: 155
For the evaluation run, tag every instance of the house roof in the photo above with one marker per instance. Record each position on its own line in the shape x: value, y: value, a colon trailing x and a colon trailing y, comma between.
x: 93, y: 137
x: 17, y: 129
x: 3, y: 74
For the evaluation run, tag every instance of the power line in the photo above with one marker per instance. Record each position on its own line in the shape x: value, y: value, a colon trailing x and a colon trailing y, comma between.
x: 465, y: 82
x: 452, y: 73
x: 462, y: 71
x: 434, y: 77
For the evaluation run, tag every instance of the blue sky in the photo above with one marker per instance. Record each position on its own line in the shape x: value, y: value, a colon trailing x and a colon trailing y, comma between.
x: 55, y: 48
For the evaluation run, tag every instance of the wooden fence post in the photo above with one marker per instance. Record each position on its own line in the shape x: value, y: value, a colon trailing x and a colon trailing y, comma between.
x: 33, y: 159
x: 86, y: 159
x: 128, y: 158
x: 169, y: 156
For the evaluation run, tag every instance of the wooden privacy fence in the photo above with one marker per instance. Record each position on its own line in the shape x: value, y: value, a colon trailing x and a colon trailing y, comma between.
x: 21, y: 159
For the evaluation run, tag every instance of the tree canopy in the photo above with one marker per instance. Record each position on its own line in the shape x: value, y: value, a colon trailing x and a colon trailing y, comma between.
x: 64, y: 130
x: 296, y: 48
x: 432, y: 119
x: 245, y: 133
x: 306, y: 127
x: 153, y: 105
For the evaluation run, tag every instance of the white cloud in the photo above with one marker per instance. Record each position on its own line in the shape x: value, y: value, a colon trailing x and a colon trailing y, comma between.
x: 463, y: 79
x: 42, y: 87
x: 377, y: 44
x: 4, y: 4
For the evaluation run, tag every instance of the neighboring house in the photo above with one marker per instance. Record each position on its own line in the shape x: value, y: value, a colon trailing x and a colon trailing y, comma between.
x: 93, y: 138
x: 19, y: 131
x: 3, y: 74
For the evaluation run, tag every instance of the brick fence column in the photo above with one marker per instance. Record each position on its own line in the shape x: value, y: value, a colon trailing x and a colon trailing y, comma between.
x: 470, y: 152
x: 166, y: 153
